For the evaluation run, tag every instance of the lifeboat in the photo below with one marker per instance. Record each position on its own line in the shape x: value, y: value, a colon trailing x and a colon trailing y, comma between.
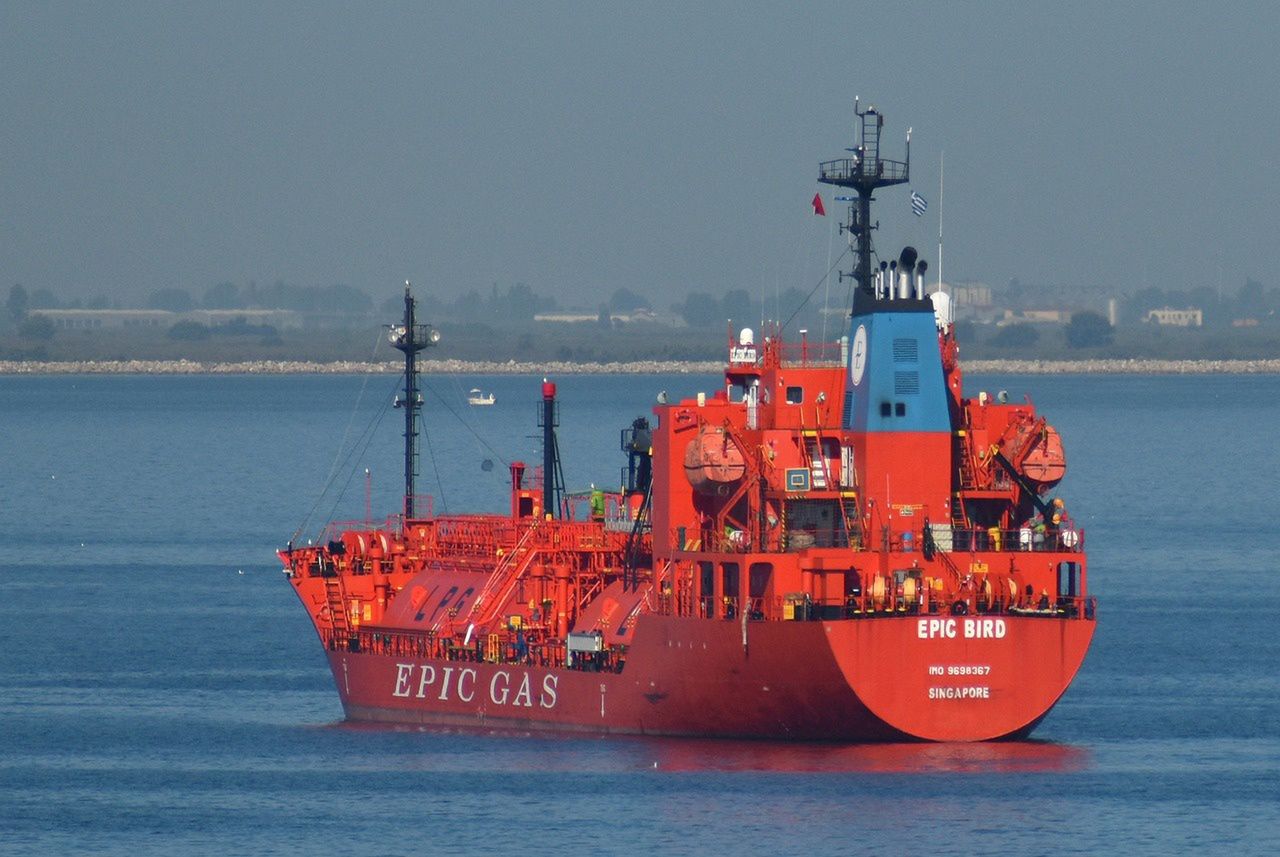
x: 713, y: 463
x: 1036, y: 451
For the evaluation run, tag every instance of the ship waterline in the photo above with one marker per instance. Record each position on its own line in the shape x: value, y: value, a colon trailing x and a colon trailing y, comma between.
x: 691, y: 678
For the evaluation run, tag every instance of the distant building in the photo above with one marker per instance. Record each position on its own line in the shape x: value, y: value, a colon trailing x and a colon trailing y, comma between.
x: 571, y: 317
x: 969, y: 294
x: 277, y: 318
x: 1244, y: 322
x: 567, y: 317
x: 97, y: 319
x: 1035, y: 316
x: 163, y: 319
x: 638, y: 314
x: 1169, y: 317
x: 970, y: 301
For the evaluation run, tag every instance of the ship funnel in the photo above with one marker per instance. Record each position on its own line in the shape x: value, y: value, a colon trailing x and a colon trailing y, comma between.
x: 921, y: 267
x: 891, y: 284
x: 906, y: 272
x: 907, y: 259
x: 551, y: 476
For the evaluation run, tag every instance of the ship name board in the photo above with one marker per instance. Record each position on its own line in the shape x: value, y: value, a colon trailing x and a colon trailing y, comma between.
x: 505, y: 687
x: 969, y: 629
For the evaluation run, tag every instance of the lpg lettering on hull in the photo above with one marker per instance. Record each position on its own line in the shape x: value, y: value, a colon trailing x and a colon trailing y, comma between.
x: 504, y: 688
x: 969, y: 629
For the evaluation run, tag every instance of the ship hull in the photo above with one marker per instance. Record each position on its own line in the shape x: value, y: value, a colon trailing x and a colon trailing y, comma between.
x: 883, y: 679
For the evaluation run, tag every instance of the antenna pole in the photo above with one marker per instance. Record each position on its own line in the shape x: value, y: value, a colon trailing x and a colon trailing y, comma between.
x: 942, y: 163
x: 410, y: 337
x: 865, y: 172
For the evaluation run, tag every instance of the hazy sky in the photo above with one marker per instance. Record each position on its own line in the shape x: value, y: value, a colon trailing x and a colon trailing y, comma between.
x: 666, y: 148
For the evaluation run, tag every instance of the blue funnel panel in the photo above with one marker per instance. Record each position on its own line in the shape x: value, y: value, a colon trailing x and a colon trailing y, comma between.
x: 895, y: 374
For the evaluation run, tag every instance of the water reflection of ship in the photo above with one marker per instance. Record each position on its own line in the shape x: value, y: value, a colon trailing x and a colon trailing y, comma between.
x: 699, y: 755
x: 1004, y: 757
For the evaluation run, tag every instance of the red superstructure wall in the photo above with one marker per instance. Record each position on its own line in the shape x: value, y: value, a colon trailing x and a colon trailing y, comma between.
x: 677, y: 426
x: 904, y: 478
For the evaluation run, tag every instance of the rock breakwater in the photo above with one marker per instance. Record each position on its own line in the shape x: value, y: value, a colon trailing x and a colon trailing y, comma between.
x: 635, y: 367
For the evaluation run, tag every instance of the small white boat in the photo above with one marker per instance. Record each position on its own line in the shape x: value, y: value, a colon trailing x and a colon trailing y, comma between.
x: 475, y: 397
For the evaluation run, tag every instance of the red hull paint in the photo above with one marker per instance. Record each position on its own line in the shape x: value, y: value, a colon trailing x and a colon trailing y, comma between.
x: 839, y: 681
x: 833, y: 545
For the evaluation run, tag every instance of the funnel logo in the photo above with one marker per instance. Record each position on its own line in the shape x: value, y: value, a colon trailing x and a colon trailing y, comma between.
x: 858, y: 360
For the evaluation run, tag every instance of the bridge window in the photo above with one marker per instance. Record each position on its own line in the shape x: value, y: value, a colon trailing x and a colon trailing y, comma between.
x: 900, y: 409
x: 886, y: 409
x: 795, y: 395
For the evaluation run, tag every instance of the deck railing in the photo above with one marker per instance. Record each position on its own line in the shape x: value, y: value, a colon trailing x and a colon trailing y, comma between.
x: 951, y: 540
x: 781, y: 608
x: 1053, y: 540
x: 505, y: 647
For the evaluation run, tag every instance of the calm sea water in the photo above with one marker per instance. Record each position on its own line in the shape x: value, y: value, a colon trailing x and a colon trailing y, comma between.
x: 162, y: 692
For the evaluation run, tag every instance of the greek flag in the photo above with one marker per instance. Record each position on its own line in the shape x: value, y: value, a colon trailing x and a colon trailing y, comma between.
x: 918, y: 204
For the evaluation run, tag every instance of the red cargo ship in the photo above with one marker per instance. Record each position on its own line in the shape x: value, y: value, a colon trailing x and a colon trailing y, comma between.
x: 835, y: 544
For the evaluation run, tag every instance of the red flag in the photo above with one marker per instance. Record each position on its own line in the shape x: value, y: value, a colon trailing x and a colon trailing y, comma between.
x: 817, y: 205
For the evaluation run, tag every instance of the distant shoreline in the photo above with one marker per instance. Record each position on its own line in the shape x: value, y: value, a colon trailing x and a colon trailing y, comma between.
x: 635, y: 367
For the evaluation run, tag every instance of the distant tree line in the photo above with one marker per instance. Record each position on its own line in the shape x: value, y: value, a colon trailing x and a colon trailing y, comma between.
x: 21, y: 302
x: 1219, y: 306
x: 519, y: 303
x: 500, y: 304
x: 744, y: 309
x: 221, y: 296
x: 1086, y: 330
x: 278, y: 295
x: 1252, y: 300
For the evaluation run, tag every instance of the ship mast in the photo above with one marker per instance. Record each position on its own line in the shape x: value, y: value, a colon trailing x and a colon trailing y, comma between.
x: 864, y: 172
x: 410, y: 337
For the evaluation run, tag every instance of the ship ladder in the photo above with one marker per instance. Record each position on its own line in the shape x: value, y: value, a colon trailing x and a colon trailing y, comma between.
x: 504, y: 578
x: 817, y: 463
x: 966, y: 466
x: 336, y: 602
x: 504, y: 595
x: 852, y: 522
x: 957, y: 513
x: 949, y: 565
x: 594, y: 588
